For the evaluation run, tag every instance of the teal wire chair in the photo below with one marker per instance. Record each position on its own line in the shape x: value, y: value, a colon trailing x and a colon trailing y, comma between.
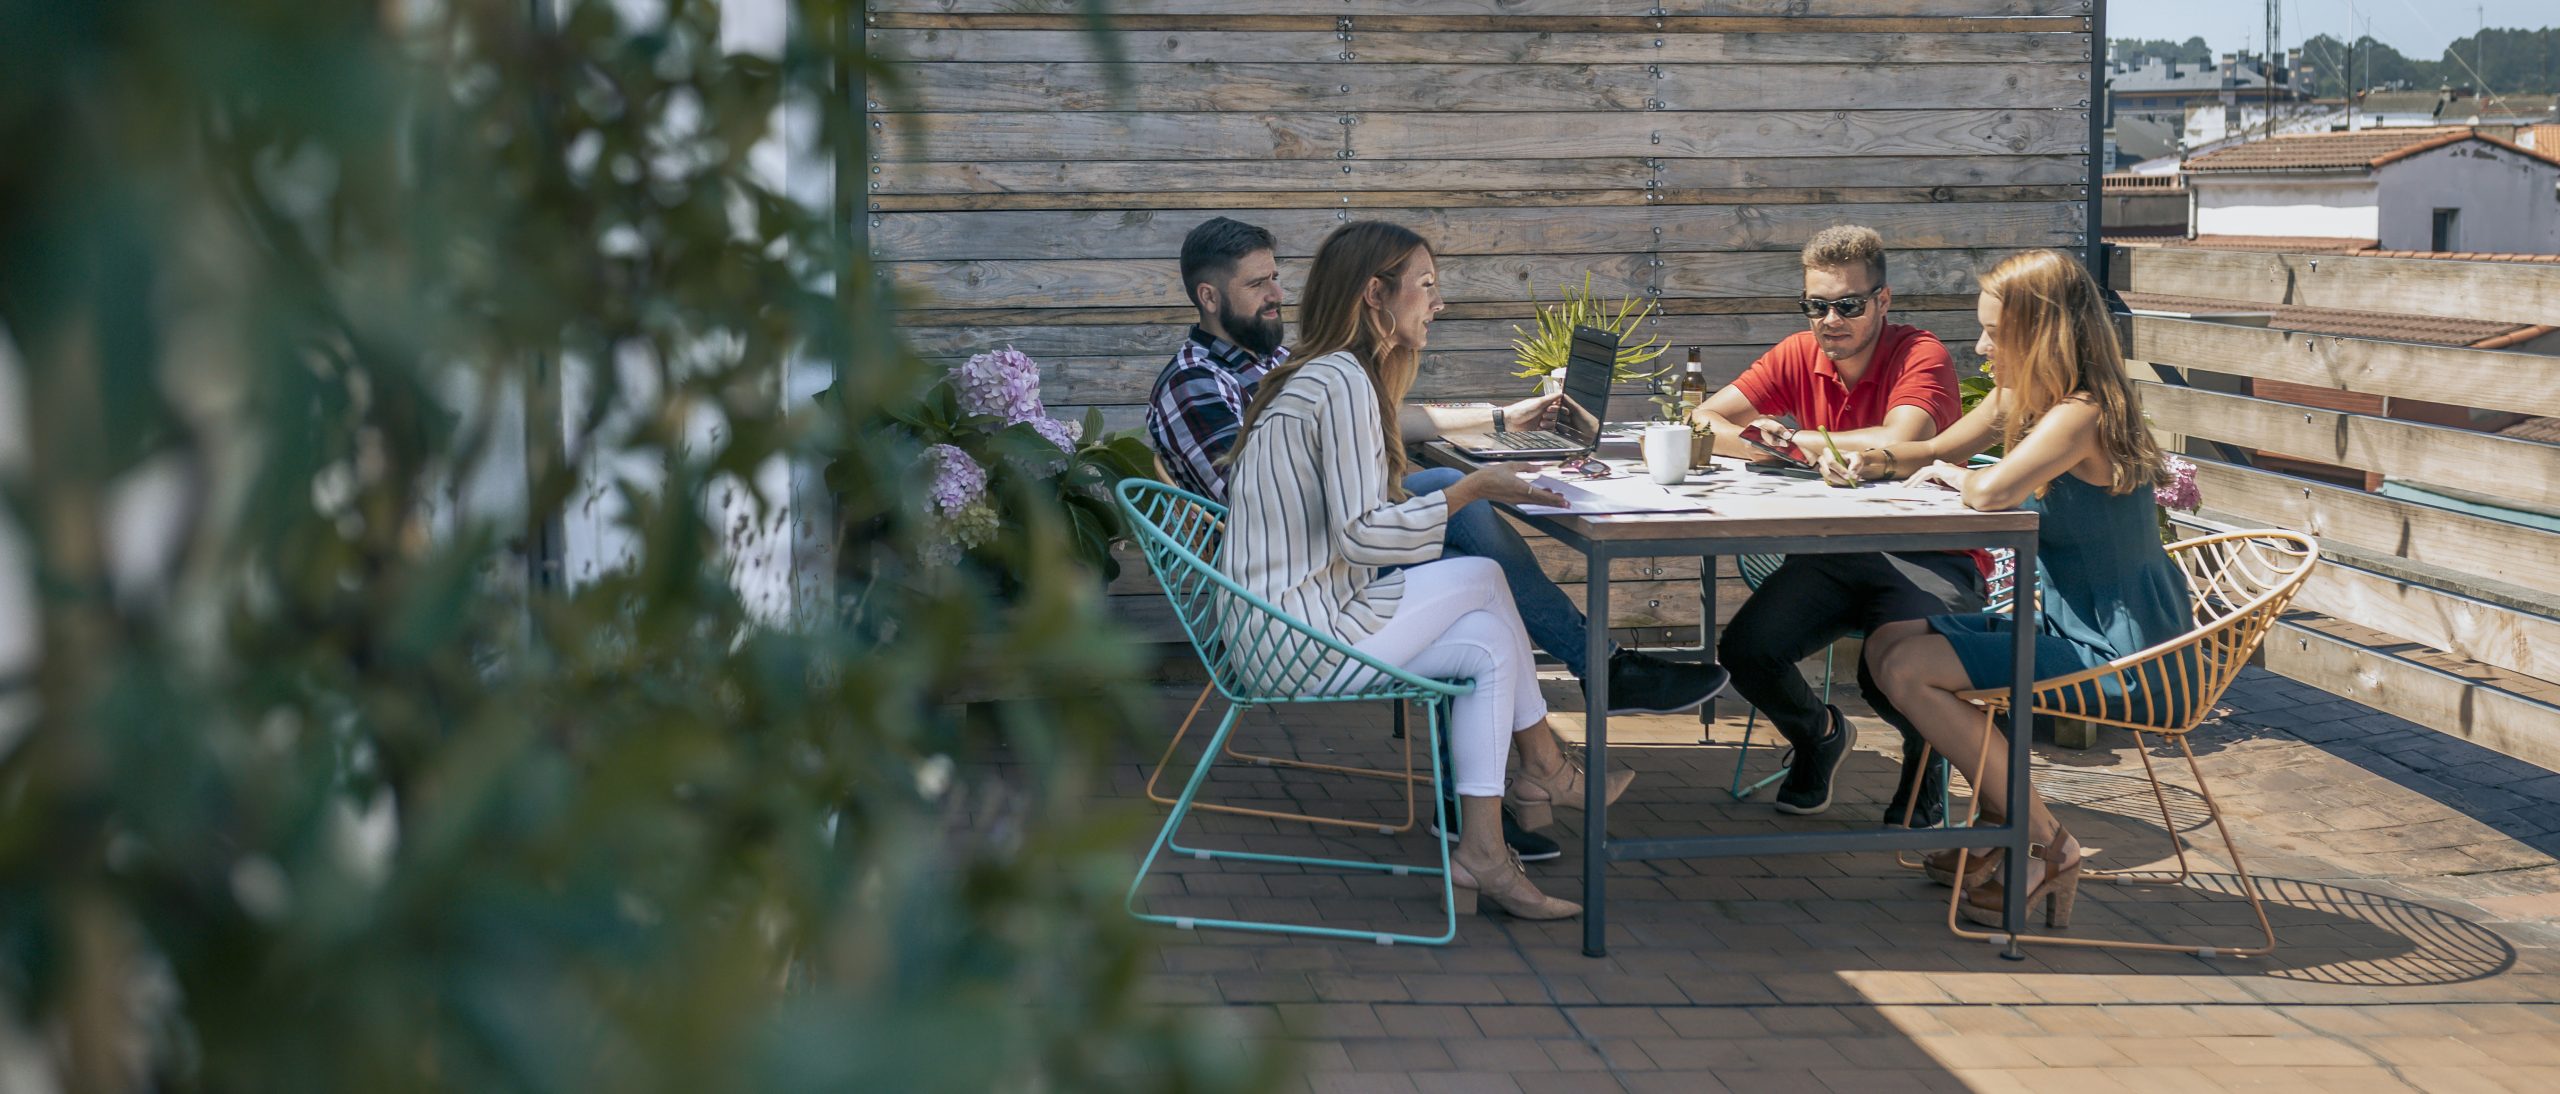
x: 1258, y: 656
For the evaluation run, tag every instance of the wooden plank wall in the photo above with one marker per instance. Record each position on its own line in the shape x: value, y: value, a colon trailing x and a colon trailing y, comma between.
x: 2448, y: 619
x: 1676, y: 150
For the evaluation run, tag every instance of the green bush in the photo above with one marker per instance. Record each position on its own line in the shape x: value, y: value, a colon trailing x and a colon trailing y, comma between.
x: 337, y: 787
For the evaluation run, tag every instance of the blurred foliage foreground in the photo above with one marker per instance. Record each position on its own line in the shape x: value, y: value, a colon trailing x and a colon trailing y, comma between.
x: 315, y: 796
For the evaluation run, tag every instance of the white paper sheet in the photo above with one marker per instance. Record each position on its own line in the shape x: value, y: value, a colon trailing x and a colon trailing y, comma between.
x: 1623, y: 494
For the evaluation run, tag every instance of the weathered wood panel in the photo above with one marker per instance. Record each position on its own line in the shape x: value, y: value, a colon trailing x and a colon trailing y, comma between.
x: 2478, y: 630
x: 2526, y: 471
x: 1327, y: 136
x: 1161, y: 339
x: 1630, y: 82
x: 2489, y: 379
x: 2490, y: 717
x: 2512, y: 553
x: 1133, y: 282
x: 1627, y: 173
x: 2500, y: 291
x: 1157, y: 234
x: 1794, y: 10
x: 1512, y: 47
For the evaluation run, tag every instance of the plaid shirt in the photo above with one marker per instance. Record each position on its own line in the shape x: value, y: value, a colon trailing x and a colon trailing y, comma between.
x: 1197, y: 408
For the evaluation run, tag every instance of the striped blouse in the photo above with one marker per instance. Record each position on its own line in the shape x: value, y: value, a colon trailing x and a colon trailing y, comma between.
x: 1308, y: 520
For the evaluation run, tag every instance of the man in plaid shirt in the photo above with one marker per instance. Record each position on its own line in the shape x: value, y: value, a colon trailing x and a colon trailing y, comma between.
x: 1197, y: 408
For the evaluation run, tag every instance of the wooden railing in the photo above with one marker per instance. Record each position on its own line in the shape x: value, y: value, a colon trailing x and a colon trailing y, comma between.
x: 2444, y: 617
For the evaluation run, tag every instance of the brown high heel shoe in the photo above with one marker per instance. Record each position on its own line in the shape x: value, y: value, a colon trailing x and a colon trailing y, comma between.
x: 2058, y: 888
x: 1508, y: 887
x: 1941, y: 865
x: 1563, y: 790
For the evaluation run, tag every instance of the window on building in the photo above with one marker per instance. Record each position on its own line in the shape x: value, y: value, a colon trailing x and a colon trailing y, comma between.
x: 2448, y: 230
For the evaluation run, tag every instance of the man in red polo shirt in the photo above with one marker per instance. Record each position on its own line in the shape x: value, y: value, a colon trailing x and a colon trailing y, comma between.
x: 1868, y: 382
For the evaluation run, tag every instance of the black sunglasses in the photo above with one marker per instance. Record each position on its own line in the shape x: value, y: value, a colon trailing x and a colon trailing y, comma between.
x: 1849, y: 307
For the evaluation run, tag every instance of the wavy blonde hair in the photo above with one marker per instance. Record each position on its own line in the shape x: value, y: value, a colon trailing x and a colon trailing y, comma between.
x: 1334, y: 314
x: 2055, y: 340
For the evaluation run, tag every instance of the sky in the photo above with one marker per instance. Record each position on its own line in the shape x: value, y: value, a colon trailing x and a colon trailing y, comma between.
x: 2419, y: 29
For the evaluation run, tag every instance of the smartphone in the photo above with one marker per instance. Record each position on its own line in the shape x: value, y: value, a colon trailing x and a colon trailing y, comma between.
x: 1790, y: 462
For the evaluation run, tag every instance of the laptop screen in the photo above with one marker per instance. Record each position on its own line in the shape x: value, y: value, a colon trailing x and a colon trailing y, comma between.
x: 1587, y: 376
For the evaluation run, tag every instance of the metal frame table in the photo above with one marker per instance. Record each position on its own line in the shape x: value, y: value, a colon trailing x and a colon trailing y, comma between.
x: 1602, y: 539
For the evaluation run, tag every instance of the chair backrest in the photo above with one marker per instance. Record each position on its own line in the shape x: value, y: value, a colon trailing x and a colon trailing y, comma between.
x: 2239, y: 584
x: 1254, y: 651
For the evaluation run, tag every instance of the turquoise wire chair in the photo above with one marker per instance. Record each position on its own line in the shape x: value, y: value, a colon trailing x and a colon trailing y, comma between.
x: 1257, y: 656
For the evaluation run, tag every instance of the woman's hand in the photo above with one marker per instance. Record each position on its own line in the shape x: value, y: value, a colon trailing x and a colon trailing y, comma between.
x: 1501, y: 485
x: 1534, y: 412
x: 1943, y: 474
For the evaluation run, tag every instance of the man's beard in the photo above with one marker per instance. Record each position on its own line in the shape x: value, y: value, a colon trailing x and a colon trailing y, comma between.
x: 1853, y: 348
x: 1254, y: 334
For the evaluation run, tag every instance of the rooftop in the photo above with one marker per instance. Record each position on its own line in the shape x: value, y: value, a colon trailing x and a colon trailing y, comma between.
x: 2410, y: 875
x: 2158, y: 77
x: 2361, y: 150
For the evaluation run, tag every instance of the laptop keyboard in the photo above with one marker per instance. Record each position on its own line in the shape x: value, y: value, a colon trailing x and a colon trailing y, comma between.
x: 1538, y: 438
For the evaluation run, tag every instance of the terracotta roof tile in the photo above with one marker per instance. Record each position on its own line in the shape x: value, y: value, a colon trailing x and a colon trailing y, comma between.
x: 2428, y: 329
x: 2546, y: 430
x: 2365, y: 149
x: 2461, y: 256
x: 2292, y: 245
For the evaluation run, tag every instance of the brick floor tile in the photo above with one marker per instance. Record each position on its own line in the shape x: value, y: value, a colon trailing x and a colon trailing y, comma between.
x: 1465, y: 1082
x: 1711, y: 1023
x: 2425, y: 1051
x: 2284, y: 1051
x: 2064, y: 1051
x: 1582, y: 1083
x: 2452, y: 1080
x: 1573, y: 1054
x: 1429, y: 987
x: 1352, y: 1082
x: 1520, y: 1021
x: 1617, y: 1022
x: 1399, y: 1054
x: 1336, y: 987
x: 1265, y: 987
x: 1872, y: 1081
x: 1676, y: 1082
x: 1330, y: 1020
x: 1427, y: 1021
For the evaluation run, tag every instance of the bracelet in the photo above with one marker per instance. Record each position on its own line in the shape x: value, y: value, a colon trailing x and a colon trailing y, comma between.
x: 1497, y: 419
x: 1890, y: 463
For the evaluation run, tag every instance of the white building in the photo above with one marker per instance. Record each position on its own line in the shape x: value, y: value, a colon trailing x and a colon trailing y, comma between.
x: 2396, y: 189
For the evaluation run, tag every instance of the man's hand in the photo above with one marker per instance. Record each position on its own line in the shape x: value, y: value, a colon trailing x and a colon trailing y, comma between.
x: 1534, y: 412
x: 1778, y: 434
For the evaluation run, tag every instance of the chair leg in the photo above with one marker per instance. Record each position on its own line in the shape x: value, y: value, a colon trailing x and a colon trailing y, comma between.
x: 1182, y: 809
x: 2248, y: 884
x: 1406, y: 776
x: 2168, y: 823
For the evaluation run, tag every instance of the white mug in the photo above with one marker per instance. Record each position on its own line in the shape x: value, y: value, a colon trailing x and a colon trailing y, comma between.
x: 1666, y: 453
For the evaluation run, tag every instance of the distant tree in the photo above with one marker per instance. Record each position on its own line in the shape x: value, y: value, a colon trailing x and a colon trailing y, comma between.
x: 2135, y: 51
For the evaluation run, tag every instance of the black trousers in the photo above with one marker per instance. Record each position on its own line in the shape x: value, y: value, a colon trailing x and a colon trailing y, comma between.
x: 1815, y: 600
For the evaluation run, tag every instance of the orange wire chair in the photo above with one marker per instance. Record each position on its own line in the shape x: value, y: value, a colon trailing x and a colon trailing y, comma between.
x: 1214, y: 536
x: 2240, y: 583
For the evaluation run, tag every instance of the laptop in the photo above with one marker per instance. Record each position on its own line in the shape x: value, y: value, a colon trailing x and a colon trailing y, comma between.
x: 1588, y: 372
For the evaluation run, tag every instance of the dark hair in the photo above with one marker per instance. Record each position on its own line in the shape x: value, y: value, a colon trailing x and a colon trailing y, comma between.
x: 1334, y: 314
x: 1211, y: 250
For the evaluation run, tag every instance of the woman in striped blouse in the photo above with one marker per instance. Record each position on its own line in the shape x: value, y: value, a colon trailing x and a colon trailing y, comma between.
x: 1318, y: 524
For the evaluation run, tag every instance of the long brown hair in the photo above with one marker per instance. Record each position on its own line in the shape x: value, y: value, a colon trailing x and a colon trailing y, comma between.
x: 1334, y: 314
x: 2055, y: 339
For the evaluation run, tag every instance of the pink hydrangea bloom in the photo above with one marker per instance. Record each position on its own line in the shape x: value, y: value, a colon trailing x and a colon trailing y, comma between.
x: 2181, y: 493
x: 1064, y: 434
x: 958, y: 481
x: 1005, y: 383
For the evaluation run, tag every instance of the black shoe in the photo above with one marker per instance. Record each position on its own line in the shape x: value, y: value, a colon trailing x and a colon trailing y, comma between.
x: 1808, y: 787
x: 1931, y: 810
x: 1640, y: 683
x: 1530, y: 846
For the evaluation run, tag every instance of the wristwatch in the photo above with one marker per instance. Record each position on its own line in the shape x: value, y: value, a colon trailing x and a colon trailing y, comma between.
x: 1497, y: 420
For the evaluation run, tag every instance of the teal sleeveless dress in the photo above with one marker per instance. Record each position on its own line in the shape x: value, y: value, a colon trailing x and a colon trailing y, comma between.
x: 2108, y: 590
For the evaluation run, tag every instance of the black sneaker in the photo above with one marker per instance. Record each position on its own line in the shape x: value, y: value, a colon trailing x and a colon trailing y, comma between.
x: 1530, y: 846
x: 1807, y: 790
x: 1640, y: 683
x: 1931, y: 810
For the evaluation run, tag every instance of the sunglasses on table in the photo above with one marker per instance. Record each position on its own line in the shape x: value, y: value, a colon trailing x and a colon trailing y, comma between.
x: 1849, y: 307
x: 1586, y: 467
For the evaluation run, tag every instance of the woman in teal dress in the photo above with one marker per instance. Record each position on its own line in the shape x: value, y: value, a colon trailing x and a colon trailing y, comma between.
x: 2080, y: 454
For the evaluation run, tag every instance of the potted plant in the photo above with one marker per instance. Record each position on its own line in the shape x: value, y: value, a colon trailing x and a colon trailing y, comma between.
x: 1543, y: 352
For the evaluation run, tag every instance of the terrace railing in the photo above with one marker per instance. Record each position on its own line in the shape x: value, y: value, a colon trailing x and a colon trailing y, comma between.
x: 2445, y: 614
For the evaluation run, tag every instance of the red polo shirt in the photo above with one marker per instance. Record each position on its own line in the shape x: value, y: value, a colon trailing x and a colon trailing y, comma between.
x: 1910, y: 368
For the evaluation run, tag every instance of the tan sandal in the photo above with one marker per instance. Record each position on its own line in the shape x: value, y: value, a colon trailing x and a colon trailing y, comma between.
x: 1509, y: 888
x: 1565, y: 789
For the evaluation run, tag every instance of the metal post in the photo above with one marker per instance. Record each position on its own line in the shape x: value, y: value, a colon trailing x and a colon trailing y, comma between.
x: 1595, y: 806
x: 2022, y: 727
x: 2094, y: 254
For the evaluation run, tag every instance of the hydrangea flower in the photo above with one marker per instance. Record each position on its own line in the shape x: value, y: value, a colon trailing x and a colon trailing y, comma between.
x: 958, y: 481
x: 1062, y: 433
x: 2180, y: 493
x: 1005, y: 383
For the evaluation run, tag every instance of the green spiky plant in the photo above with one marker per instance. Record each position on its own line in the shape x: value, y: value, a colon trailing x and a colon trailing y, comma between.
x: 1544, y: 351
x: 324, y: 780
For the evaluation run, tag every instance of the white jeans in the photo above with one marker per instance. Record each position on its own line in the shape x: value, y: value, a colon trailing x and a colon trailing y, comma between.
x: 1456, y: 621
